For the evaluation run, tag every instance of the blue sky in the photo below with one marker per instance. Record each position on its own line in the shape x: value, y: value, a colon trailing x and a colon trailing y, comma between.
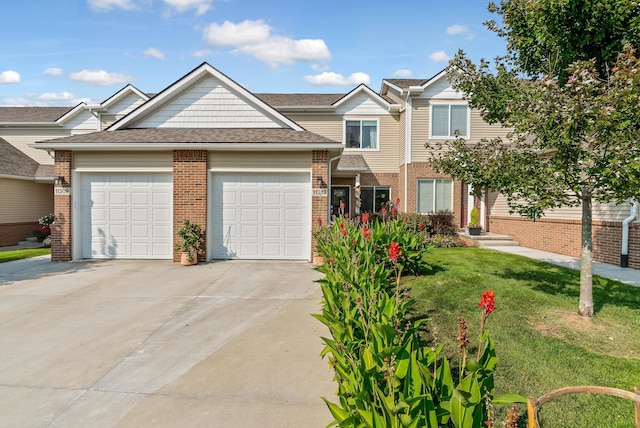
x: 58, y: 53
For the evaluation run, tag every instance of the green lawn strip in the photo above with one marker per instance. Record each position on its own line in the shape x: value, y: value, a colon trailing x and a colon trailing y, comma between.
x: 541, y: 342
x: 10, y: 255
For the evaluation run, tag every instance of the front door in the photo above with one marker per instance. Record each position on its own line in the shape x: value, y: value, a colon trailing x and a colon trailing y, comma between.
x: 340, y: 195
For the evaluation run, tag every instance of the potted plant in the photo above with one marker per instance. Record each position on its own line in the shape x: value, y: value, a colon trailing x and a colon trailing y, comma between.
x: 474, y: 228
x: 192, y: 243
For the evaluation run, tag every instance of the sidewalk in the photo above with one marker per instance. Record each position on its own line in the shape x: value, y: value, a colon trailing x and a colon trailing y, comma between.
x: 624, y: 275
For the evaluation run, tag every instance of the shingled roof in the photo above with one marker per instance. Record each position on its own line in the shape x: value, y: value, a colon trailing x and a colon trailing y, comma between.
x: 281, y: 100
x: 406, y: 83
x: 32, y: 114
x: 197, y: 135
x: 14, y: 162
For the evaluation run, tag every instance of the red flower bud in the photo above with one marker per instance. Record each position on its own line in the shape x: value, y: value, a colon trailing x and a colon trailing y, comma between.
x: 487, y: 301
x: 394, y: 252
x: 365, y: 217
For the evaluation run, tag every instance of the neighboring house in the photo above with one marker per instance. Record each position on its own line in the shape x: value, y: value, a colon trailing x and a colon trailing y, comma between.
x: 258, y: 170
x: 26, y: 174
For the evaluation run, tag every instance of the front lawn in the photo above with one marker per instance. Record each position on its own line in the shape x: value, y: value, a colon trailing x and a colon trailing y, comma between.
x: 9, y: 255
x: 541, y: 342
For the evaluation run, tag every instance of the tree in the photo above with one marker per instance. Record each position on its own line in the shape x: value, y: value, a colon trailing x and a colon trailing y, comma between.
x: 575, y: 119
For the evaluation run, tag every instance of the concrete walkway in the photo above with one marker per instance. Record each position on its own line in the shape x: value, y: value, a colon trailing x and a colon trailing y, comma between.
x: 155, y: 344
x: 624, y: 275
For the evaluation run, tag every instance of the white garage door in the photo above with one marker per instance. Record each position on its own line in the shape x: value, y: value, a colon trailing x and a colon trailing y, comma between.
x: 261, y: 216
x: 126, y: 216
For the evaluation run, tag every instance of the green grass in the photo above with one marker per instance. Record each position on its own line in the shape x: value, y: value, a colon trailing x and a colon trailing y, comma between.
x: 541, y: 342
x: 9, y: 255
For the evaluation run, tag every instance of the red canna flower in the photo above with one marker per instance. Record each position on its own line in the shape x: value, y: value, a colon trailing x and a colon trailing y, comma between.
x: 344, y: 232
x: 320, y: 221
x: 353, y: 242
x: 421, y: 226
x: 341, y: 205
x: 365, y: 217
x: 397, y: 201
x: 383, y: 211
x: 366, y: 233
x: 394, y: 252
x: 346, y: 215
x: 394, y: 211
x: 341, y: 225
x: 487, y: 301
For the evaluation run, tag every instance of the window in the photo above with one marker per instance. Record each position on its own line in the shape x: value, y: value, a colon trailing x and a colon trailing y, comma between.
x: 361, y: 134
x: 446, y: 119
x: 435, y: 195
x: 372, y: 199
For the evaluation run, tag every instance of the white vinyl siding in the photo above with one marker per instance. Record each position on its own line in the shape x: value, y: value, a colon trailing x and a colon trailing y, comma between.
x: 20, y: 138
x: 24, y: 201
x: 207, y: 104
x: 435, y: 195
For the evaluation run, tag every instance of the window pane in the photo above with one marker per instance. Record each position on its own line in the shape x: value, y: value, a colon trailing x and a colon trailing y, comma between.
x: 459, y: 119
x: 425, y: 196
x: 369, y: 134
x: 444, y: 195
x: 352, y: 137
x: 366, y: 199
x: 382, y: 197
x: 440, y: 120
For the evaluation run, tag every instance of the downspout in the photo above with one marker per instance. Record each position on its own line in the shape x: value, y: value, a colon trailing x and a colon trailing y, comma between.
x: 407, y: 148
x: 624, y: 253
x: 329, y: 187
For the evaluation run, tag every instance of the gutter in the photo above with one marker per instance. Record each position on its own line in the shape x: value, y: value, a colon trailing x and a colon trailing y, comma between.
x: 624, y: 253
x: 186, y: 146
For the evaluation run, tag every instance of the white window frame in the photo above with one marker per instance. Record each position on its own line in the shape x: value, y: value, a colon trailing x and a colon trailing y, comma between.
x: 434, y: 180
x: 361, y: 119
x: 449, y: 103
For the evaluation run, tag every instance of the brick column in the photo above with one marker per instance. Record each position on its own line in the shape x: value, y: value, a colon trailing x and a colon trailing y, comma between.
x: 189, y: 192
x: 319, y: 202
x: 61, y: 237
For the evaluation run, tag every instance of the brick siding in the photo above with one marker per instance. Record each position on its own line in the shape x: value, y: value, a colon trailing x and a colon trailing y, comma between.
x: 12, y: 233
x: 319, y: 203
x: 543, y: 234
x: 189, y: 193
x: 61, y: 237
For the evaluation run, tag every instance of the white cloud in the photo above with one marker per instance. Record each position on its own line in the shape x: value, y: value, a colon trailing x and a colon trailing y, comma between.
x: 107, y: 5
x: 255, y: 38
x: 9, y: 76
x: 201, y: 6
x: 53, y: 71
x: 99, y: 77
x: 201, y: 53
x: 403, y: 73
x: 154, y: 53
x: 330, y: 78
x: 459, y: 30
x: 52, y: 96
x: 439, y: 56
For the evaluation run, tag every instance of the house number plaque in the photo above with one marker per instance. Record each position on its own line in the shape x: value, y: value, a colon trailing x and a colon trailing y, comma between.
x: 319, y: 192
x: 62, y: 191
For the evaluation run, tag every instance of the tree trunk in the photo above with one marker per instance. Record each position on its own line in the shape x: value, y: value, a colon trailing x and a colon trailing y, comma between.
x: 585, y: 306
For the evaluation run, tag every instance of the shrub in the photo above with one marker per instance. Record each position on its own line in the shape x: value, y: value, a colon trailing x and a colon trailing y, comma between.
x: 443, y: 223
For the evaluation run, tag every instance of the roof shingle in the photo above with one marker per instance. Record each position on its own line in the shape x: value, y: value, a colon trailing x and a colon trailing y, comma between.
x: 14, y: 162
x: 32, y: 114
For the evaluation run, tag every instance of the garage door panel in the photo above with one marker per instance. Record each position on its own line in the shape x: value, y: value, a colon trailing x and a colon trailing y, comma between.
x: 126, y: 216
x: 250, y: 216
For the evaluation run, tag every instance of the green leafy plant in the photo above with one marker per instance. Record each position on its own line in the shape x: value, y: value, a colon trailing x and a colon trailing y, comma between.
x: 386, y: 376
x: 192, y: 240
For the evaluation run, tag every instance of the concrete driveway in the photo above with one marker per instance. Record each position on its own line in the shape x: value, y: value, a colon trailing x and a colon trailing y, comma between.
x: 156, y: 344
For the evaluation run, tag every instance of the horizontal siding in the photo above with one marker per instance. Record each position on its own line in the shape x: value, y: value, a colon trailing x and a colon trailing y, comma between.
x: 605, y: 212
x: 21, y: 138
x: 420, y: 130
x: 327, y: 125
x: 260, y: 160
x: 385, y: 160
x: 441, y: 90
x: 122, y: 161
x: 23, y: 201
x: 207, y: 104
x: 125, y: 105
x: 83, y: 121
x: 402, y: 139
